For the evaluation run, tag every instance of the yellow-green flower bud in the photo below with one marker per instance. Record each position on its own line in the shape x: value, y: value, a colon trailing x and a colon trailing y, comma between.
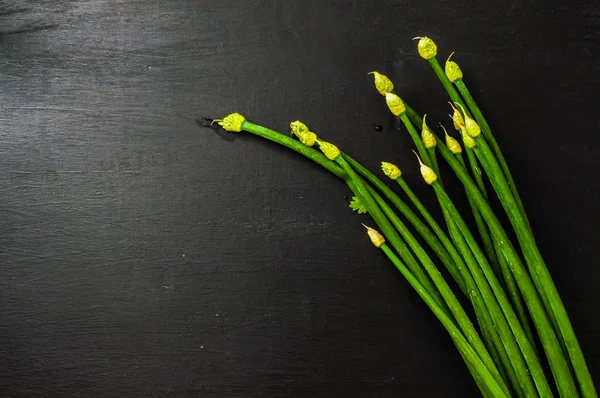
x: 382, y: 83
x: 376, y: 238
x: 453, y: 72
x: 427, y: 136
x: 308, y: 139
x: 426, y: 47
x: 299, y: 128
x: 457, y: 119
x: 391, y: 170
x: 330, y: 150
x: 427, y: 172
x: 467, y: 139
x: 395, y: 104
x: 471, y: 125
x: 232, y: 122
x: 452, y: 143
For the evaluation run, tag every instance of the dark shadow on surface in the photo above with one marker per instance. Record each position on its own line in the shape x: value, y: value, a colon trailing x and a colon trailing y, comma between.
x: 208, y: 123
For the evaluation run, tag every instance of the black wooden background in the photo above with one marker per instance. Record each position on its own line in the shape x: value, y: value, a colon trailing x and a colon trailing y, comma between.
x: 144, y: 256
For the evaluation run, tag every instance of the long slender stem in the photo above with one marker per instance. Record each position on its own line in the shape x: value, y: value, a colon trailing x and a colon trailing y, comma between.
x: 497, y: 261
x: 456, y: 309
x: 525, y: 345
x: 476, y: 292
x: 388, y: 230
x: 286, y: 141
x: 537, y: 266
x: 407, y: 212
x: 540, y: 319
x: 476, y: 259
x: 487, y: 132
x: 466, y: 350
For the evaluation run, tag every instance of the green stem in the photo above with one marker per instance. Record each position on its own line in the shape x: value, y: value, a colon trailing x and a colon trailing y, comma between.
x: 469, y: 246
x: 487, y: 132
x: 537, y: 266
x: 476, y: 293
x: 434, y: 163
x: 484, y: 232
x: 456, y: 309
x: 297, y: 146
x: 466, y: 350
x: 540, y: 319
x: 361, y: 190
x: 509, y: 280
x: 515, y: 296
x: 415, y: 221
x: 322, y: 160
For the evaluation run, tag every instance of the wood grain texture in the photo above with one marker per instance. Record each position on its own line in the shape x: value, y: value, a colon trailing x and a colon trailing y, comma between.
x: 143, y: 256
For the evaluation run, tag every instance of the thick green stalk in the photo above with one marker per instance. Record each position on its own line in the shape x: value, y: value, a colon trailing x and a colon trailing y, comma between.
x: 487, y: 132
x: 465, y: 348
x: 476, y: 294
x: 537, y: 266
x: 455, y: 307
x: 407, y: 212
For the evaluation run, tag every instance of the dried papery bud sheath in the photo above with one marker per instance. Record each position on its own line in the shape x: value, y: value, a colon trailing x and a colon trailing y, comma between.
x: 427, y: 136
x: 427, y: 172
x: 232, y: 122
x: 453, y: 72
x: 382, y: 83
x: 299, y: 128
x: 376, y: 238
x: 471, y: 125
x: 426, y: 47
x: 308, y: 138
x: 457, y: 118
x: 391, y: 170
x: 467, y: 139
x: 452, y: 143
x: 329, y: 150
x: 395, y: 104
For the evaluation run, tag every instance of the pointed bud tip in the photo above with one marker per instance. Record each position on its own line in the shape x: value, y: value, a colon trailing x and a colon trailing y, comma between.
x: 452, y: 143
x: 376, y: 238
x: 457, y: 118
x: 452, y: 70
x: 382, y: 83
x: 427, y: 136
x: 427, y: 172
x: 470, y: 125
